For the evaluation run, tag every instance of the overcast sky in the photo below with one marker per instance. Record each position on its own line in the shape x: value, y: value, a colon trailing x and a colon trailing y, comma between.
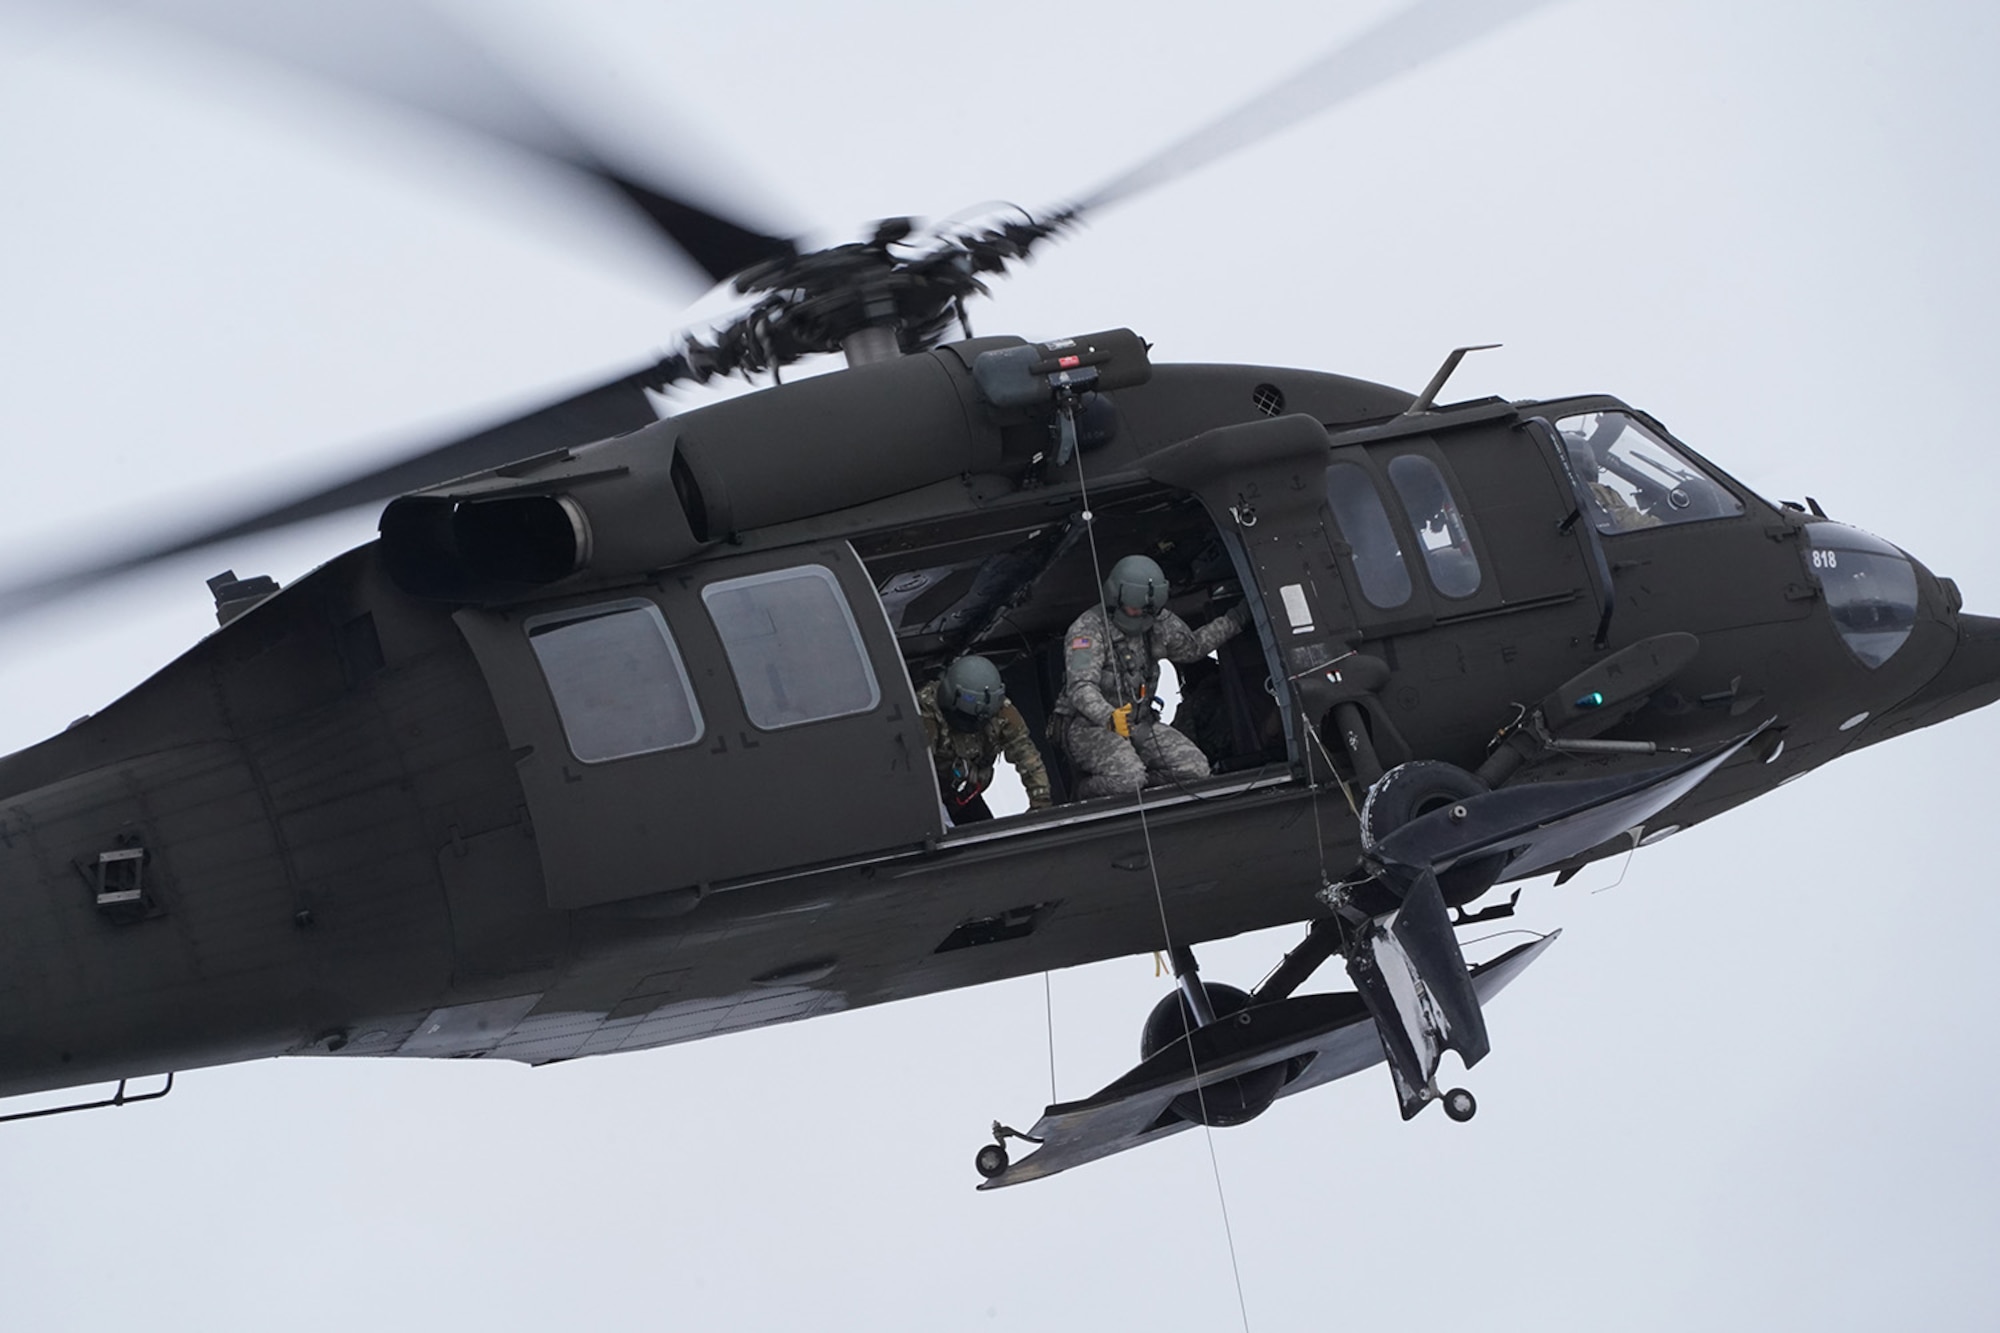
x: 1751, y: 1087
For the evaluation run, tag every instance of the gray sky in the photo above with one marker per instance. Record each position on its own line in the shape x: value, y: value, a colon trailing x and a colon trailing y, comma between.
x: 1750, y: 1087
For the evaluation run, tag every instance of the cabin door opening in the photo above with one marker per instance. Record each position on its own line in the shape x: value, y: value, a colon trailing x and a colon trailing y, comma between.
x: 1007, y: 584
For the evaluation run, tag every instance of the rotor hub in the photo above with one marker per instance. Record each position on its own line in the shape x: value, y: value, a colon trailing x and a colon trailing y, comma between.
x: 890, y: 295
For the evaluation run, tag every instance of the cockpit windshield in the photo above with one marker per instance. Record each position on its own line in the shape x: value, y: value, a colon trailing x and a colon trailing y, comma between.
x: 1637, y: 480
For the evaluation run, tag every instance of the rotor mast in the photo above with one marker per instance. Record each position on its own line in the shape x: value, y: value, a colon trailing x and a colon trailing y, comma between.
x: 871, y: 343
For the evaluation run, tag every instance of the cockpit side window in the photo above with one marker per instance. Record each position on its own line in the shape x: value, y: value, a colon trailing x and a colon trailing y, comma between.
x: 1635, y: 478
x: 1364, y: 524
x: 1440, y: 529
x: 617, y: 680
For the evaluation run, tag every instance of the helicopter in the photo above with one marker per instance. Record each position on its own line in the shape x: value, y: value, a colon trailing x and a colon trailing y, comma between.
x: 1614, y: 620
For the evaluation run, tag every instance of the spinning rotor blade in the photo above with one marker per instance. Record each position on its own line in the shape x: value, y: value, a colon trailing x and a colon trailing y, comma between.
x: 611, y: 408
x: 405, y: 53
x: 1407, y: 40
x: 1426, y: 31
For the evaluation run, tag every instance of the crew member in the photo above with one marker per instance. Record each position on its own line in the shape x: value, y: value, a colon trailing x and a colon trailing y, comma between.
x: 969, y: 721
x: 1106, y: 719
x: 1614, y: 512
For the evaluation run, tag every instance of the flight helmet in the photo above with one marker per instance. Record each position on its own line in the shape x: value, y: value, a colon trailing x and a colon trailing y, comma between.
x: 1582, y: 458
x: 1135, y: 593
x: 970, y: 693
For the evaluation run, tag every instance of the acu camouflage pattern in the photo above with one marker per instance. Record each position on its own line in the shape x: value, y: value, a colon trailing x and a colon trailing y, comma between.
x: 1108, y: 668
x: 964, y: 759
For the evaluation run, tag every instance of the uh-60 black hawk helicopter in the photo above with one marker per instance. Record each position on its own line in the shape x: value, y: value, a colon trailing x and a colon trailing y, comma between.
x: 499, y: 783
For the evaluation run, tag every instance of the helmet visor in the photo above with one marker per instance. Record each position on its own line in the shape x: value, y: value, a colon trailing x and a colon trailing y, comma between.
x: 978, y: 704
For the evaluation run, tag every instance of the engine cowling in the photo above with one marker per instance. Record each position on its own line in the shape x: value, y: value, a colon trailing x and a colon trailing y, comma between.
x: 658, y: 496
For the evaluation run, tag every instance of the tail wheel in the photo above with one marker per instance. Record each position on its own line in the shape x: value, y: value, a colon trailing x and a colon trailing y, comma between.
x: 990, y: 1161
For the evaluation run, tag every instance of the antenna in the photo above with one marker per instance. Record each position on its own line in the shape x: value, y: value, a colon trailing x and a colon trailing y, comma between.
x: 1430, y: 393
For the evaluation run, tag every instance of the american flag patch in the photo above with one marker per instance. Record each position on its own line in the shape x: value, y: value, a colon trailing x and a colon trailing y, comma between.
x: 1080, y: 643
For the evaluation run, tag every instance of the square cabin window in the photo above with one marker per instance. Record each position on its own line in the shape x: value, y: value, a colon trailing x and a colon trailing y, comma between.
x: 617, y: 680
x: 793, y: 645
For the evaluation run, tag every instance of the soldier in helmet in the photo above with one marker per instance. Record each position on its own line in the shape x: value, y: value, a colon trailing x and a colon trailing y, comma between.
x: 1105, y: 720
x: 969, y: 722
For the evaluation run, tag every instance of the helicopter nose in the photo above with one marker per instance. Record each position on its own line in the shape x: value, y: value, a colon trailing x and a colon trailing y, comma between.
x: 1970, y: 678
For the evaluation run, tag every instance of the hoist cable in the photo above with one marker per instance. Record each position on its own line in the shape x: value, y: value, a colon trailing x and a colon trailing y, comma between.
x: 1352, y: 808
x: 1049, y: 1008
x: 1312, y: 786
x: 1201, y: 1094
x: 1160, y: 901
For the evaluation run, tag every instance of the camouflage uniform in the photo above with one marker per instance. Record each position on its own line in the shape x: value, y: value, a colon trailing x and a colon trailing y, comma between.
x: 1617, y: 513
x: 1108, y: 667
x: 964, y: 759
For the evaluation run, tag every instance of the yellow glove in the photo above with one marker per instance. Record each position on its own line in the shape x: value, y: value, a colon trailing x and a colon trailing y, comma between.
x: 1121, y: 720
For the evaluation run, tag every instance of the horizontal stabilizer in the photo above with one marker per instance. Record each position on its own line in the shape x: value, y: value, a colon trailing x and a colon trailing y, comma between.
x: 1320, y: 1037
x: 1536, y: 825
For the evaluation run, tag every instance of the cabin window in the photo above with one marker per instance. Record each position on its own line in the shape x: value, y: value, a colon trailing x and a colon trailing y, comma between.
x: 1441, y: 533
x: 617, y: 680
x: 793, y: 645
x: 1637, y: 480
x: 1364, y: 524
x: 1870, y: 588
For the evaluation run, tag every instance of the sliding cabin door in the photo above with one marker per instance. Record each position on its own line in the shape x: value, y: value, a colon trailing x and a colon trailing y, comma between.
x: 737, y: 718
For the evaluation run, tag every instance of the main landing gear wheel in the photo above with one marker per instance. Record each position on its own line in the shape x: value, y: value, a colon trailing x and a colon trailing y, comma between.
x: 990, y: 1161
x: 1409, y: 791
x: 1458, y: 1104
x: 1228, y: 1101
x: 1413, y: 790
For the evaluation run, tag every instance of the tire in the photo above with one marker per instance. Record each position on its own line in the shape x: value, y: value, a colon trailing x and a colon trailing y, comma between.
x: 1409, y: 791
x: 1222, y: 1102
x: 1413, y: 790
x: 1460, y: 1105
x: 990, y: 1161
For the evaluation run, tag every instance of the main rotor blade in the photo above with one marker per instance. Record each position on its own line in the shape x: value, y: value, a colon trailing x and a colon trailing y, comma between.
x: 606, y: 409
x: 1406, y: 41
x: 405, y: 53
